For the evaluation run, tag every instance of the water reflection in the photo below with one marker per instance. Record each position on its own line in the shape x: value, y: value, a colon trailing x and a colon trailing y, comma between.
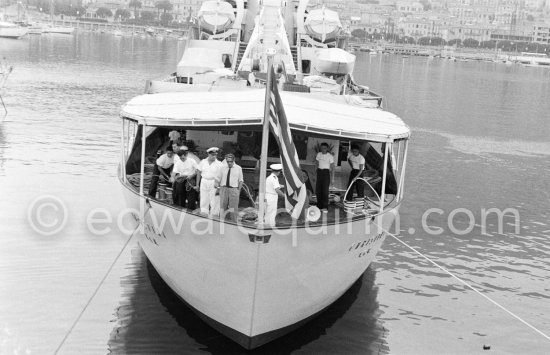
x: 152, y: 319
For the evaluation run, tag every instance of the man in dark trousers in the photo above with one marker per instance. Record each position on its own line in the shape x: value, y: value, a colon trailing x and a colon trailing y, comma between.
x: 185, y: 170
x: 357, y: 163
x: 163, y: 169
x: 324, y: 162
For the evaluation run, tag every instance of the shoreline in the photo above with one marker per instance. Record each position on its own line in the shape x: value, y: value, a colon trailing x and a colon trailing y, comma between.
x: 463, y: 54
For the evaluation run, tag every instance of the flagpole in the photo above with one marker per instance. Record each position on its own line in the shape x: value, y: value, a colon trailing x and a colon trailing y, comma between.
x: 265, y: 137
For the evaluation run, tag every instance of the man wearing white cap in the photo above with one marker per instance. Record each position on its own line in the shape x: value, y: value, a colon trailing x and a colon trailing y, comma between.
x: 207, y: 178
x: 190, y: 154
x: 272, y: 193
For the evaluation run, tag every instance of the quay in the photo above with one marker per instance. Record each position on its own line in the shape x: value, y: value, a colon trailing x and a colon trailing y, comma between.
x: 93, y: 26
x: 449, y: 52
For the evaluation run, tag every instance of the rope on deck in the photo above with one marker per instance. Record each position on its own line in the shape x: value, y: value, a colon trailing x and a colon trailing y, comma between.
x: 467, y: 285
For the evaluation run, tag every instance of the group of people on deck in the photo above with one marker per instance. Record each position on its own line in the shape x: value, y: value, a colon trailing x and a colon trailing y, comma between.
x: 219, y: 183
x: 216, y: 185
x: 324, y: 163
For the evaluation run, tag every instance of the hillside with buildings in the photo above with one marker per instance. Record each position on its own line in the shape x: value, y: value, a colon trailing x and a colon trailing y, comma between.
x: 440, y: 21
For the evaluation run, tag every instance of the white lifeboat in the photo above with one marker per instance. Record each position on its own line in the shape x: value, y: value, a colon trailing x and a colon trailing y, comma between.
x: 334, y: 61
x: 323, y: 24
x: 216, y: 16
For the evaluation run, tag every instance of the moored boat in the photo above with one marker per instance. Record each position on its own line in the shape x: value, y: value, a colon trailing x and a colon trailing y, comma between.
x: 532, y: 59
x: 11, y: 30
x: 58, y: 29
x: 252, y: 280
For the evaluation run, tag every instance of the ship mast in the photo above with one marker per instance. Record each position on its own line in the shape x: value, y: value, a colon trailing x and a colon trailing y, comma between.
x: 52, y: 8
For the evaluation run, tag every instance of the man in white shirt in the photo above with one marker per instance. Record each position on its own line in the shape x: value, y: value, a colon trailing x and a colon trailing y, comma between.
x: 272, y: 192
x: 162, y: 169
x: 207, y: 175
x: 231, y: 182
x: 185, y: 170
x: 324, y: 162
x: 357, y: 163
x: 190, y: 155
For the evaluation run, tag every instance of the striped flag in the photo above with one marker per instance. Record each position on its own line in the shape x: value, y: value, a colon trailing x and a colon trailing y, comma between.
x: 296, y: 193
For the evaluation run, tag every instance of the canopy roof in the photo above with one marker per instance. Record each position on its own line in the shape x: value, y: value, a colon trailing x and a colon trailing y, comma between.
x: 318, y: 114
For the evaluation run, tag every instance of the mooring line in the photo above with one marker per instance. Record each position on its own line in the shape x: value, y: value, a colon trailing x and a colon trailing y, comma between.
x: 467, y: 285
x: 95, y: 292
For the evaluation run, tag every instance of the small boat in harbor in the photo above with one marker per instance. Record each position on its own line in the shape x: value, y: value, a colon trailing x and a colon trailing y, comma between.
x: 11, y: 30
x: 252, y: 278
x: 58, y: 29
x: 36, y: 29
x: 532, y: 59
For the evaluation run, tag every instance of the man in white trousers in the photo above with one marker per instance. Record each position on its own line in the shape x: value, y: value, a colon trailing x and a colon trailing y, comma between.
x: 272, y: 192
x: 208, y: 174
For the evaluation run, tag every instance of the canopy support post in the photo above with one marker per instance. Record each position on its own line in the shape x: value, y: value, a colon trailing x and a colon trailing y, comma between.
x: 123, y: 152
x: 142, y: 169
x: 402, y: 180
x: 385, y: 171
x: 265, y: 140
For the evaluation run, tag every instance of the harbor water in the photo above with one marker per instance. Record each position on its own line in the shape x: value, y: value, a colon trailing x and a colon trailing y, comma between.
x: 480, y: 141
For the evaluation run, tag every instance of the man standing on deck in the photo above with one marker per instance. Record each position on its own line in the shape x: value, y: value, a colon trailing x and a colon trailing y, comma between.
x: 324, y: 162
x: 272, y: 192
x: 357, y: 163
x: 208, y: 172
x: 184, y: 172
x: 174, y: 137
x: 231, y: 182
x: 162, y: 169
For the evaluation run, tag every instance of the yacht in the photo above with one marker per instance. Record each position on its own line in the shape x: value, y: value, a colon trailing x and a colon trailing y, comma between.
x: 532, y: 59
x: 12, y: 30
x: 262, y: 82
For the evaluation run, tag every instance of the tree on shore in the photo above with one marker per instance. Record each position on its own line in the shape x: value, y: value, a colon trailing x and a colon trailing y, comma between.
x: 424, y: 41
x: 470, y: 43
x: 359, y: 33
x: 164, y: 5
x: 165, y: 19
x: 122, y: 14
x: 147, y: 16
x: 454, y: 42
x: 103, y: 12
x: 488, y: 44
x: 135, y: 4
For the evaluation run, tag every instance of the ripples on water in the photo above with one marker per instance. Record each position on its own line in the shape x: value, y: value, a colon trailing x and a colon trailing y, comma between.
x: 480, y: 140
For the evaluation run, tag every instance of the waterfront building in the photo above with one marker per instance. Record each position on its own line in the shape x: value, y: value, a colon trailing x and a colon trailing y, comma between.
x: 184, y: 9
x: 541, y: 33
x: 406, y: 7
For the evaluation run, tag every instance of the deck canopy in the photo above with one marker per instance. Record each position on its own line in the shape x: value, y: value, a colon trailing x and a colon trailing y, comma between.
x: 318, y: 114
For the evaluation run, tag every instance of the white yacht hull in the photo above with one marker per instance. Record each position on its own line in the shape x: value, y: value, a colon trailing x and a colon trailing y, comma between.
x: 13, y: 32
x: 255, y: 291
